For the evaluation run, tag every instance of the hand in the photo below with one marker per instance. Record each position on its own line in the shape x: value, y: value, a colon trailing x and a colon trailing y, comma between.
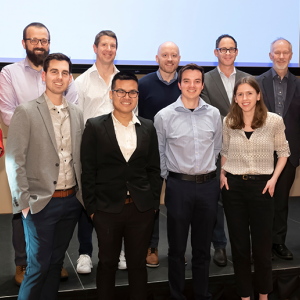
x: 92, y: 217
x: 25, y: 212
x: 223, y: 181
x: 271, y: 186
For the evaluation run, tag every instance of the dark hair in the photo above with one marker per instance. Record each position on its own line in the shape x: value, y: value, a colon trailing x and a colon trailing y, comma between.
x: 35, y: 24
x: 123, y: 76
x: 225, y: 36
x: 107, y: 33
x: 235, y: 119
x: 190, y: 67
x: 57, y: 56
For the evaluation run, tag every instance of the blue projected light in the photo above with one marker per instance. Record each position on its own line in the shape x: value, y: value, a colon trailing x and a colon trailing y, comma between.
x: 141, y: 26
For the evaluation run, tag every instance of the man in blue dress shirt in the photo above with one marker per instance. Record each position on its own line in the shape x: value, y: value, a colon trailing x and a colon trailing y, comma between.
x: 190, y: 138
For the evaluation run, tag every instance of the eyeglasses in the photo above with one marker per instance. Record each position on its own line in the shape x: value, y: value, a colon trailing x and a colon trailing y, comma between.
x: 34, y: 41
x: 122, y: 93
x: 224, y: 50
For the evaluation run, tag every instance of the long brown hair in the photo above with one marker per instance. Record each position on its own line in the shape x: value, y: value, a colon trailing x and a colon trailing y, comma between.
x: 234, y: 119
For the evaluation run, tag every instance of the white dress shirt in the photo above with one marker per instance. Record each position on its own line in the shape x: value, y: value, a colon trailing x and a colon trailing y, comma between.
x: 228, y: 82
x: 62, y: 129
x: 93, y: 93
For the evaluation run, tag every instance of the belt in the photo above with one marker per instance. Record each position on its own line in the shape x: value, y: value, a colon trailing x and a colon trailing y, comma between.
x: 63, y: 193
x: 198, y: 178
x: 128, y: 199
x: 250, y: 177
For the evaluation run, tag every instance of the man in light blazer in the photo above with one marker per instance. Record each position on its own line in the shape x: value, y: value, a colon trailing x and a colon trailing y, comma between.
x: 44, y: 172
x: 217, y: 91
x: 281, y: 92
x: 121, y: 186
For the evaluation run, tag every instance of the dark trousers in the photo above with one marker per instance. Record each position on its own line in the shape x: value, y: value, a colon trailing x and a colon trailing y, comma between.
x: 245, y: 206
x: 136, y: 228
x: 190, y: 204
x: 47, y: 236
x: 219, y: 239
x: 281, y: 200
x: 155, y: 233
x: 84, y: 233
x: 85, y: 230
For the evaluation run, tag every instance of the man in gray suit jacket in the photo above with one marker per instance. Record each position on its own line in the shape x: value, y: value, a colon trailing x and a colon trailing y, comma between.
x: 44, y: 171
x: 217, y: 91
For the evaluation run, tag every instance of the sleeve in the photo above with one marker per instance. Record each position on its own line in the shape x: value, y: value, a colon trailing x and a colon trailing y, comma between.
x: 71, y: 93
x: 8, y: 97
x: 80, y: 94
x: 161, y: 135
x: 204, y: 95
x: 226, y: 140
x: 281, y: 145
x: 153, y: 168
x: 15, y: 159
x: 88, y: 156
x: 141, y: 101
x: 218, y: 137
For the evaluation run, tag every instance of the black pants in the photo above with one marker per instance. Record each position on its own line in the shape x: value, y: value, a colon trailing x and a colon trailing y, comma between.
x: 281, y: 200
x: 190, y: 204
x: 136, y: 228
x: 245, y: 206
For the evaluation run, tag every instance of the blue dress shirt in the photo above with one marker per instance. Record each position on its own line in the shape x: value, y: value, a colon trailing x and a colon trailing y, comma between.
x: 189, y: 141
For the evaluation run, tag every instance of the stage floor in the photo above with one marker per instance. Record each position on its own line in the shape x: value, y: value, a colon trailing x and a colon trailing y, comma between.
x: 78, y: 283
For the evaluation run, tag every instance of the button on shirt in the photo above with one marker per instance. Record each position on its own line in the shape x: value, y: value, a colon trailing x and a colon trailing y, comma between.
x: 62, y: 129
x: 228, y: 82
x: 20, y: 83
x: 280, y: 87
x: 189, y: 142
x: 93, y: 93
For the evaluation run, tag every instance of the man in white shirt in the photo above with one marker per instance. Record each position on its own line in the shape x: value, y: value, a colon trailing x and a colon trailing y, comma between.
x: 93, y: 85
x: 217, y: 91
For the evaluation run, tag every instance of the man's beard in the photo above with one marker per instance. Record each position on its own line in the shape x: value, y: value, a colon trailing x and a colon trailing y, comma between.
x: 37, y: 59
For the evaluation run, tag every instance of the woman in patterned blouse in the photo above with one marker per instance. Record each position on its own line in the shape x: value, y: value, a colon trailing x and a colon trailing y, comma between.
x: 251, y: 134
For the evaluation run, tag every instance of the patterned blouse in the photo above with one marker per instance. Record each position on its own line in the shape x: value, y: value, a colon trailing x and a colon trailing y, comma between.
x: 254, y: 155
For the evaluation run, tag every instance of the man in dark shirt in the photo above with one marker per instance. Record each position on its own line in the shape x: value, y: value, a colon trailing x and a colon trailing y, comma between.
x: 156, y: 91
x: 281, y: 92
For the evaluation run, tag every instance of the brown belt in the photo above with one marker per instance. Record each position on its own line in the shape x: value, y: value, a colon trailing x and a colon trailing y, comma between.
x: 63, y: 193
x: 128, y: 199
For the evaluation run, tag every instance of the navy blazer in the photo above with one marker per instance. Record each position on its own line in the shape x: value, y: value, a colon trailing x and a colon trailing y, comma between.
x: 291, y: 114
x: 106, y: 176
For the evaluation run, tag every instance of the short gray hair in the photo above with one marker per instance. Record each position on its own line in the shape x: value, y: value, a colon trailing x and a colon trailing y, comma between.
x: 280, y: 39
x: 107, y: 33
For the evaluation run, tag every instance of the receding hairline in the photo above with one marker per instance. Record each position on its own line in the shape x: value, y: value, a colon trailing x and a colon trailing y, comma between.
x: 280, y: 39
x: 165, y: 43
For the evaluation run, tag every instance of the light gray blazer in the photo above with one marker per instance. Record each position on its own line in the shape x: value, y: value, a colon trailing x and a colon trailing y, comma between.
x: 32, y: 161
x: 214, y: 92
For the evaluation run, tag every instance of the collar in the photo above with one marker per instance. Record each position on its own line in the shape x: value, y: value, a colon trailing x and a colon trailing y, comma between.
x: 274, y: 73
x: 27, y: 65
x: 164, y: 81
x: 233, y: 73
x: 94, y: 69
x: 178, y: 105
x: 52, y: 106
x: 132, y: 122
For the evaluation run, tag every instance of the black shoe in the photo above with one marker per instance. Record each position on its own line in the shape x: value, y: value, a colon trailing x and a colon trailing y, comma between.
x: 220, y: 258
x: 282, y: 251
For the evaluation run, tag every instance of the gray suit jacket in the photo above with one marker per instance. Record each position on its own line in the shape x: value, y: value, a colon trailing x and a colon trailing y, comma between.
x: 214, y: 92
x: 32, y: 161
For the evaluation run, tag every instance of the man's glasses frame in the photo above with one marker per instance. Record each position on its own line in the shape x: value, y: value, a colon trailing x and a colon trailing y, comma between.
x: 122, y: 93
x: 225, y: 50
x: 35, y: 41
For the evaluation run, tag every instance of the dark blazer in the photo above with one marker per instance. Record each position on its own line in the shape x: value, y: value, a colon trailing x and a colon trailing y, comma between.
x: 214, y: 92
x: 106, y: 176
x: 291, y: 114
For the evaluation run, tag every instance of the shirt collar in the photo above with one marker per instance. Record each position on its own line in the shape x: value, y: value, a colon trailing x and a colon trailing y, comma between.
x: 94, y: 69
x: 274, y: 73
x: 27, y: 65
x: 164, y: 81
x: 178, y: 105
x: 220, y: 72
x: 132, y: 122
x: 52, y: 106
